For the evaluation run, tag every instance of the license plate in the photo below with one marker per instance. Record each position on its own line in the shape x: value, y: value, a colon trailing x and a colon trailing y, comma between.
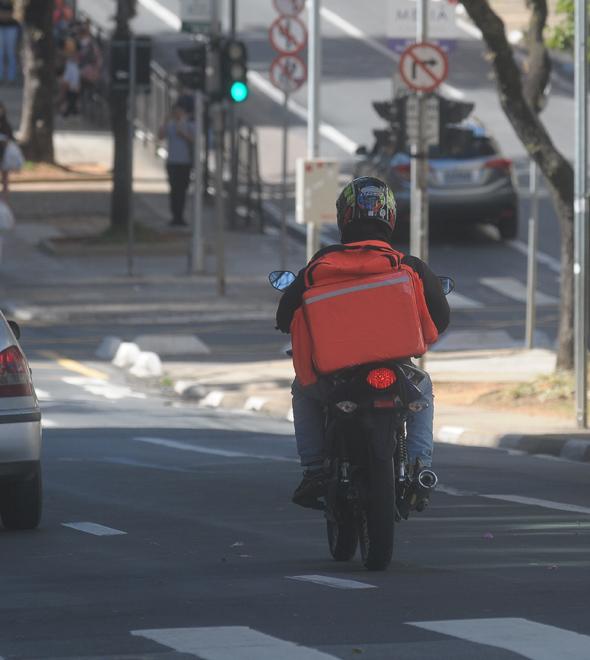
x: 458, y: 177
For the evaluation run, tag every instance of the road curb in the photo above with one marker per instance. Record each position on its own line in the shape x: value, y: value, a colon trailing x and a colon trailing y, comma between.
x: 565, y: 446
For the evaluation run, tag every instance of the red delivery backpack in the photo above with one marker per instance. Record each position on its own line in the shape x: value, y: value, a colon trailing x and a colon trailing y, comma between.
x: 361, y: 305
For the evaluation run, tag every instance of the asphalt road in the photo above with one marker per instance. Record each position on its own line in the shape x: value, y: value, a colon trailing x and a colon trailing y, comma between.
x: 200, y: 553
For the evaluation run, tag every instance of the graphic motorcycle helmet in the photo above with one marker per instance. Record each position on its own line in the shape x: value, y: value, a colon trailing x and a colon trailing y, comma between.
x: 365, y: 199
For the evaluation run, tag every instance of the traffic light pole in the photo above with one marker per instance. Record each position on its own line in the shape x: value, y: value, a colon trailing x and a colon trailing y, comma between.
x: 419, y: 167
x: 197, y: 252
x: 285, y: 148
x: 131, y: 140
x: 531, y: 308
x: 313, y: 109
x: 218, y: 127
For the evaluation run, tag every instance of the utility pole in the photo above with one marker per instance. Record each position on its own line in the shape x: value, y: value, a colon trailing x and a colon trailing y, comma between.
x: 131, y: 138
x: 419, y: 165
x: 232, y: 126
x: 313, y: 109
x: 531, y: 308
x: 581, y: 214
x: 197, y: 251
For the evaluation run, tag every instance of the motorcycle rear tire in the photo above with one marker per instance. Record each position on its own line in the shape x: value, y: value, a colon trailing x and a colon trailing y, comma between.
x: 376, y: 519
x: 342, y: 536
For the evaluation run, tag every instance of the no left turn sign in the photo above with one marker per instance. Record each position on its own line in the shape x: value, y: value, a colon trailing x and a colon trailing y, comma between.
x: 288, y: 35
x: 288, y: 73
x: 423, y: 67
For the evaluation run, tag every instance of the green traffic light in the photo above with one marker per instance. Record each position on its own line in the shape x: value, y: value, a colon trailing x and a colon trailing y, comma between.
x: 238, y: 91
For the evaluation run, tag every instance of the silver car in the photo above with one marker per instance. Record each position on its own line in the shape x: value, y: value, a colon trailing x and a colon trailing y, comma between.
x: 20, y: 435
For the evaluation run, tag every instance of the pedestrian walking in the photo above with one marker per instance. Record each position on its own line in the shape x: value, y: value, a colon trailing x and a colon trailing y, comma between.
x: 179, y: 133
x: 9, y: 34
x: 70, y: 81
x: 6, y: 140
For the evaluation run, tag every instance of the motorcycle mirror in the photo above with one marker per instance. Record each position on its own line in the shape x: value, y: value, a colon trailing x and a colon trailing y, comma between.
x: 281, y: 279
x: 447, y: 284
x: 14, y: 326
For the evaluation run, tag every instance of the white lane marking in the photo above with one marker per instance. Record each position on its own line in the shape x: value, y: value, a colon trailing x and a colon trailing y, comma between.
x: 352, y: 31
x: 165, y: 15
x: 42, y: 395
x: 455, y: 492
x: 450, y: 434
x: 513, y: 288
x: 140, y: 464
x: 546, y: 504
x: 104, y: 388
x: 230, y: 643
x: 326, y: 130
x: 458, y: 301
x: 530, y: 639
x: 94, y: 528
x: 199, y: 449
x: 47, y: 423
x: 547, y: 260
x: 335, y: 583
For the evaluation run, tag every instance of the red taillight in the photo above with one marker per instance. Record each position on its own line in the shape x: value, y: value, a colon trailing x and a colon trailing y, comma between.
x: 499, y: 164
x: 15, y: 377
x: 381, y: 378
x: 403, y: 170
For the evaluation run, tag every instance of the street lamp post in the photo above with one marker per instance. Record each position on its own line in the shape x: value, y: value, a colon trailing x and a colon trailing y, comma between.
x: 581, y: 214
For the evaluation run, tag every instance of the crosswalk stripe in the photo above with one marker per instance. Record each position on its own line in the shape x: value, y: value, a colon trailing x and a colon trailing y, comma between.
x: 513, y: 288
x: 335, y: 583
x: 531, y: 640
x: 94, y: 528
x: 230, y: 643
x: 459, y: 301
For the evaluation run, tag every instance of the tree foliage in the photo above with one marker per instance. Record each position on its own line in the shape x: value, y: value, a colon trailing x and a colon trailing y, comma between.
x: 519, y: 98
x: 561, y: 36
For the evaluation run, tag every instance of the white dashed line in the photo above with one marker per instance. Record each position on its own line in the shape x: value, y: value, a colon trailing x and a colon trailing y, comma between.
x: 225, y: 453
x: 230, y: 643
x: 104, y: 389
x: 545, y: 504
x: 335, y: 583
x: 94, y: 528
x: 513, y: 288
x: 48, y: 423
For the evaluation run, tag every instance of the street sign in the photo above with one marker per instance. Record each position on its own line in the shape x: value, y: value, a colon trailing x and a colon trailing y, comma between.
x: 289, y: 7
x: 195, y: 15
x: 288, y: 35
x: 316, y: 188
x: 443, y: 27
x: 288, y: 73
x: 423, y: 67
x: 431, y: 120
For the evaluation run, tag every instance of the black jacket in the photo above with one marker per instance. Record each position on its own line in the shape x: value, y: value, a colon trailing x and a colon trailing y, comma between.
x: 435, y: 298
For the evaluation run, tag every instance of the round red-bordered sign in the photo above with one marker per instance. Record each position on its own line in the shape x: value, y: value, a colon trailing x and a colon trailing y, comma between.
x: 288, y: 35
x: 424, y: 66
x: 289, y: 7
x: 288, y: 73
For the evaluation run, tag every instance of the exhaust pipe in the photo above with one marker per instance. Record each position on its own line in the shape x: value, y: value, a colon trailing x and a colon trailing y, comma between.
x: 427, y: 479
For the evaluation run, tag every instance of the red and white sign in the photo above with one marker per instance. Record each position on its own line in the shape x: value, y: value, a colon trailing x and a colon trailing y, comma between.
x: 288, y: 35
x: 423, y: 67
x: 288, y: 73
x: 289, y: 7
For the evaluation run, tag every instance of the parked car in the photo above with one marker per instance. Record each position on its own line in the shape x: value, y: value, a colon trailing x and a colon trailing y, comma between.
x: 469, y: 180
x: 20, y: 435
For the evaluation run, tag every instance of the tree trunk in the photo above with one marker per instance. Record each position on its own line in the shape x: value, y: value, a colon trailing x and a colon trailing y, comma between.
x: 120, y: 118
x: 519, y: 104
x: 36, y: 127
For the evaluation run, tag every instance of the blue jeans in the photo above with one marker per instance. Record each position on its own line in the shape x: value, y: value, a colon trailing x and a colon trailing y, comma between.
x: 8, y: 43
x: 308, y: 418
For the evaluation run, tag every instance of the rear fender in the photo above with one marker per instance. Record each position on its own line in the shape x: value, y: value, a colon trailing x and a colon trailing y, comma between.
x: 381, y: 426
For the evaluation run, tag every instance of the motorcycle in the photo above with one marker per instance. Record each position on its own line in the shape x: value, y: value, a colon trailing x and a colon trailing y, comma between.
x: 371, y: 484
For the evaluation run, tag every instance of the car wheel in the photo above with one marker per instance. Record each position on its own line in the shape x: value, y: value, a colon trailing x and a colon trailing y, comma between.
x: 508, y: 228
x: 20, y: 506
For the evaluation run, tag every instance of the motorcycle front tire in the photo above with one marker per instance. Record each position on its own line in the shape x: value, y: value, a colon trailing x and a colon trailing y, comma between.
x: 376, y: 519
x: 342, y: 535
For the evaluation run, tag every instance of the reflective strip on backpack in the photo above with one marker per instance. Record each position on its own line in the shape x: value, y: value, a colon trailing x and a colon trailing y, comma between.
x: 361, y: 287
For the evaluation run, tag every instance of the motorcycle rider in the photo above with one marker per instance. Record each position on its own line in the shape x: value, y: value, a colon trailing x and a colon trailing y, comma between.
x: 366, y: 211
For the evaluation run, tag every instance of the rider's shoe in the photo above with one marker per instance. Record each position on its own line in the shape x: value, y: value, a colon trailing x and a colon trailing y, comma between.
x: 313, y: 486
